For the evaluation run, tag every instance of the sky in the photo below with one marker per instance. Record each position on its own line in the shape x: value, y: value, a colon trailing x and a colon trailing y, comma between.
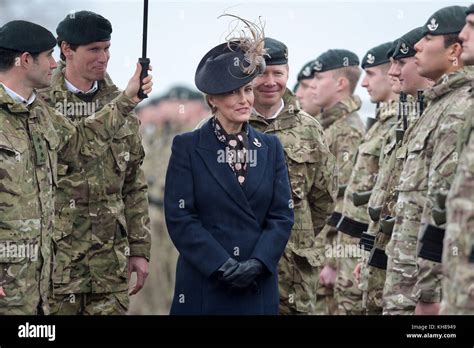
x: 181, y: 32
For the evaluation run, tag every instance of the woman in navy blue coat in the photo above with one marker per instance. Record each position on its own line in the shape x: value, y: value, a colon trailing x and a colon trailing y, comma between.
x: 228, y: 205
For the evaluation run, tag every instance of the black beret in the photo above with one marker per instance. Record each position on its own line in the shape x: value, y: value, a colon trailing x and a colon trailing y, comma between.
x: 335, y: 59
x: 221, y: 70
x: 277, y: 52
x: 406, y: 44
x: 448, y: 20
x: 376, y: 56
x: 25, y: 36
x: 84, y: 27
x: 392, y: 48
x: 306, y: 71
x: 470, y: 9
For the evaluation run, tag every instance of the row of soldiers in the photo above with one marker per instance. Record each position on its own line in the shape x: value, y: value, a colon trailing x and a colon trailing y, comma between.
x: 400, y: 238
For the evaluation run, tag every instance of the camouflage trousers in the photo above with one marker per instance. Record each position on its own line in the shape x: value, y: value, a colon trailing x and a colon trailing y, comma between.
x: 346, y: 289
x: 115, y: 303
x: 325, y: 301
x: 400, y: 279
x: 372, y: 280
x: 297, y: 284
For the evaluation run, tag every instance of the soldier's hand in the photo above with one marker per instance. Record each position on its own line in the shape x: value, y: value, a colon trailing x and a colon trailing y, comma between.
x: 327, y: 277
x: 424, y: 308
x: 2, y: 293
x: 356, y: 272
x: 134, y: 84
x: 140, y: 266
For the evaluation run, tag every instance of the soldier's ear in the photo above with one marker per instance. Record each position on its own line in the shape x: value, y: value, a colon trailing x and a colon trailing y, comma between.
x: 66, y: 49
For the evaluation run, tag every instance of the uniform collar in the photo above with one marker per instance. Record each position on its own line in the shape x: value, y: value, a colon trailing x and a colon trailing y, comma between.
x: 275, y: 115
x: 73, y: 89
x: 18, y: 98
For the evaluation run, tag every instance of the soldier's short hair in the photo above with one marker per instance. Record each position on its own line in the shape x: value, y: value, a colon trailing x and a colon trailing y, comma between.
x: 8, y: 57
x: 73, y: 47
x: 450, y: 39
x: 351, y: 73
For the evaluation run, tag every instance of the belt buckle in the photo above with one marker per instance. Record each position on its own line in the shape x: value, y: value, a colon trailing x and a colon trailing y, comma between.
x: 339, y: 222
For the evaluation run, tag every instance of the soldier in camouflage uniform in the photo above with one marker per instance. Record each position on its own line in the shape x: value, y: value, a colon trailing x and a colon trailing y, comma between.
x: 458, y: 244
x: 430, y: 160
x: 102, y: 228
x: 303, y: 92
x: 364, y: 174
x: 383, y: 198
x: 336, y: 76
x: 311, y: 169
x: 174, y: 113
x: 32, y: 138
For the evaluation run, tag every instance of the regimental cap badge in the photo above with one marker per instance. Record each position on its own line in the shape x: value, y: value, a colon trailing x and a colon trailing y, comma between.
x: 306, y: 71
x: 318, y: 66
x: 286, y: 53
x: 370, y: 58
x: 433, y: 25
x: 404, y: 48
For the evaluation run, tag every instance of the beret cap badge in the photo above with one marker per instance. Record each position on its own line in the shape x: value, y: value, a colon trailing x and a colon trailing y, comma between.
x: 370, y: 58
x: 433, y: 25
x: 318, y: 66
x: 404, y: 48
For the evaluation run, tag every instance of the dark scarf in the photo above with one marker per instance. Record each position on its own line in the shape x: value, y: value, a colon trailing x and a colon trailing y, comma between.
x: 236, y: 148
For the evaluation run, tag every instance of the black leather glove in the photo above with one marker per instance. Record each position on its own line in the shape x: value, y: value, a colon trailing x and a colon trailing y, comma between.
x: 229, y: 266
x: 244, y: 274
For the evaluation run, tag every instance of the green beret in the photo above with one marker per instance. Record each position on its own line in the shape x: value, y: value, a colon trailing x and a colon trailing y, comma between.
x: 25, y: 36
x: 84, y: 27
x: 306, y: 71
x: 277, y: 52
x: 335, y: 59
x: 376, y: 56
x: 392, y: 48
x: 406, y: 44
x: 470, y: 10
x: 448, y: 20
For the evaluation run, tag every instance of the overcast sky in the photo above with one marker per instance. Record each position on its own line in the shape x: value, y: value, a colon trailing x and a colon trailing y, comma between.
x: 181, y: 32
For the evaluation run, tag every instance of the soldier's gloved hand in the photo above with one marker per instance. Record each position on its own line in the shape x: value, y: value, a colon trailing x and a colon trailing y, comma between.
x: 229, y: 266
x: 245, y: 273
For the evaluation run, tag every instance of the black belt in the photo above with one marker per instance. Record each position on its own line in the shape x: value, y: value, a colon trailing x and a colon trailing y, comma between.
x: 351, y: 227
x: 432, y: 244
x: 367, y: 241
x: 334, y: 220
x: 378, y: 258
x: 471, y: 256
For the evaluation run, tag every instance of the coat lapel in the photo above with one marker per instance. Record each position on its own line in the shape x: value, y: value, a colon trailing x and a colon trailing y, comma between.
x: 210, y: 150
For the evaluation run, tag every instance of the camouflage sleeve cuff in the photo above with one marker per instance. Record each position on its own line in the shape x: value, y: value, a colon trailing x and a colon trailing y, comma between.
x: 140, y: 251
x: 124, y: 104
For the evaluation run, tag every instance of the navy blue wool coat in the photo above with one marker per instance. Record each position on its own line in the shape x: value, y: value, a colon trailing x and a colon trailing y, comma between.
x: 210, y: 218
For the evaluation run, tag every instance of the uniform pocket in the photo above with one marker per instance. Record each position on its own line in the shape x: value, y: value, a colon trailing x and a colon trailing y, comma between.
x: 12, y: 164
x: 414, y: 176
x: 19, y: 249
x: 62, y: 242
x: 121, y: 248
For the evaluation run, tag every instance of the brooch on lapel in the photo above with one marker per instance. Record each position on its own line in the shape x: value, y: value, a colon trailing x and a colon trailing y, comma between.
x: 257, y: 143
